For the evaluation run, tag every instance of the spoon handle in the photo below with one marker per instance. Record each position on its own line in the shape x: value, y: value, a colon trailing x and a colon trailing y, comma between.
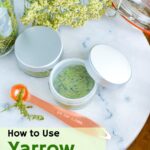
x: 68, y: 117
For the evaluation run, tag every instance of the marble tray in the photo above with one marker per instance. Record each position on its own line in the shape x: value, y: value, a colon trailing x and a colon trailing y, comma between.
x: 122, y: 111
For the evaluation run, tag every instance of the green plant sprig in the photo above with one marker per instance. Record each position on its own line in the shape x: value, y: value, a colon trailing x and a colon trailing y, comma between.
x: 23, y: 108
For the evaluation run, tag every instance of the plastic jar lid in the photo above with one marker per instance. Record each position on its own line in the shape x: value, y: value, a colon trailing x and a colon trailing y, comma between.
x: 136, y: 12
x: 108, y: 66
x: 38, y: 49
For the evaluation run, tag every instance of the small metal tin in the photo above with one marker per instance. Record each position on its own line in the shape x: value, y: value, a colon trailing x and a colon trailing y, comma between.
x: 108, y: 66
x: 37, y: 50
x: 71, y: 103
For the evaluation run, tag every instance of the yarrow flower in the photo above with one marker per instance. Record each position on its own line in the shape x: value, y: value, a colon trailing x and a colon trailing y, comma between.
x: 55, y: 13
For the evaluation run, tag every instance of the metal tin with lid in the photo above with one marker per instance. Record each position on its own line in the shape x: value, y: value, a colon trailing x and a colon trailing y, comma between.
x: 107, y: 67
x: 37, y: 50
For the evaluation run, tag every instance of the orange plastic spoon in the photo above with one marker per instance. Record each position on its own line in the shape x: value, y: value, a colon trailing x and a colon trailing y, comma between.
x: 70, y: 118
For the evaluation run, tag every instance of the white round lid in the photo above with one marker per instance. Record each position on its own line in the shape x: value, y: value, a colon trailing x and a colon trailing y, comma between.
x: 38, y: 47
x: 108, y: 65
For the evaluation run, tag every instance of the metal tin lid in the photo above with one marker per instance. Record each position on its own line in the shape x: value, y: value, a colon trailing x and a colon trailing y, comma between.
x: 38, y: 48
x: 108, y: 66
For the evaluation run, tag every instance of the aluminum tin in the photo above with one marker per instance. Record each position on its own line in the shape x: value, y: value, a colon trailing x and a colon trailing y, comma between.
x: 46, y: 34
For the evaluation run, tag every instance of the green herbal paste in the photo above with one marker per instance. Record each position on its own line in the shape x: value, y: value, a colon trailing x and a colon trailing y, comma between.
x: 73, y: 82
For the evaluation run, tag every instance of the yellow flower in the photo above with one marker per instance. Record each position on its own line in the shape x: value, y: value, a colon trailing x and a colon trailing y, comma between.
x: 54, y: 13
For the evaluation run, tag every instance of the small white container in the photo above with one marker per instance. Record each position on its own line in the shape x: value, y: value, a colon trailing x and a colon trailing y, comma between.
x: 68, y: 101
x: 106, y: 65
x: 37, y: 50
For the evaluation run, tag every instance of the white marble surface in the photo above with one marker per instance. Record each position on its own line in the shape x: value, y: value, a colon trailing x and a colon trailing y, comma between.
x: 122, y: 111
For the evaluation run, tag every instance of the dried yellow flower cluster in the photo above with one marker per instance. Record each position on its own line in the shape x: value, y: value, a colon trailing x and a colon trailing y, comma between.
x: 54, y: 13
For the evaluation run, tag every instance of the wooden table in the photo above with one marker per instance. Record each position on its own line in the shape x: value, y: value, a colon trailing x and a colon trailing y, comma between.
x: 148, y: 37
x: 142, y: 142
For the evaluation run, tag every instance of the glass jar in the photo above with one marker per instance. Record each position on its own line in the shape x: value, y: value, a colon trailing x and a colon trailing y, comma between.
x: 8, y: 27
x: 136, y: 12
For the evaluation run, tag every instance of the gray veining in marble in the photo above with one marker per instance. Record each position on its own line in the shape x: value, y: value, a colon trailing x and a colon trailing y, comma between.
x: 122, y: 111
